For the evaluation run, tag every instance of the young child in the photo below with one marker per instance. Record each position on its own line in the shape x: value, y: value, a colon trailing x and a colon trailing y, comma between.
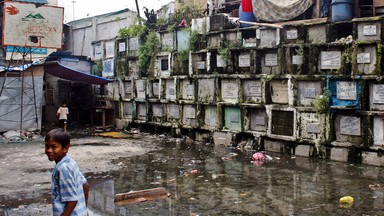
x: 69, y: 187
x: 62, y: 113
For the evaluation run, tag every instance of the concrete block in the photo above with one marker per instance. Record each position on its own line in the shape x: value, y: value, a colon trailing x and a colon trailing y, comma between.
x: 140, y: 89
x: 163, y: 64
x: 141, y: 111
x: 339, y: 154
x: 303, y: 150
x: 270, y: 63
x: 206, y: 90
x: 230, y: 90
x: 232, y: 118
x: 167, y: 41
x: 153, y: 89
x: 366, y: 59
x: 258, y: 120
x: 312, y: 125
x: 307, y: 91
x: 378, y: 129
x: 127, y: 110
x: 279, y: 91
x: 269, y: 37
x: 173, y: 111
x: 372, y: 158
x: 222, y: 139
x: 182, y: 40
x: 121, y: 124
x: 214, y: 40
x: 157, y: 110
x: 317, y: 33
x: 348, y: 129
x: 187, y: 90
x: 330, y: 60
x: 128, y: 92
x: 368, y: 31
x: 253, y: 91
x: 210, y: 116
x: 189, y: 115
x: 170, y: 89
x: 273, y: 146
x: 376, y: 97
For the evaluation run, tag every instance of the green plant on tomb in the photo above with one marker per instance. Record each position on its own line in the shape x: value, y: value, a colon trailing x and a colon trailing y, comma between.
x: 183, y: 55
x: 97, y: 67
x: 321, y: 102
x: 148, y: 52
x: 134, y: 30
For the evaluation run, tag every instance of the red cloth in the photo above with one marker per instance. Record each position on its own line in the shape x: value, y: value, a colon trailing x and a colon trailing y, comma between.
x: 247, y: 5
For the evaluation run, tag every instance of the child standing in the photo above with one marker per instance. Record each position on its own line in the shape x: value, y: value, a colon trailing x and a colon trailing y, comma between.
x: 69, y: 187
x: 62, y: 113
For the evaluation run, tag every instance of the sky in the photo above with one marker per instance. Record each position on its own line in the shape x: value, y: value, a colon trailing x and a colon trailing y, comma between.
x: 78, y: 9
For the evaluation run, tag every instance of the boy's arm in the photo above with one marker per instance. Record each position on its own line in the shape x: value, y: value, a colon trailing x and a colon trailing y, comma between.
x: 69, y: 208
x: 86, y: 191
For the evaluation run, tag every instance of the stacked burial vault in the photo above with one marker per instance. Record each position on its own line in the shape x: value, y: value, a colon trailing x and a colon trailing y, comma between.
x: 312, y: 88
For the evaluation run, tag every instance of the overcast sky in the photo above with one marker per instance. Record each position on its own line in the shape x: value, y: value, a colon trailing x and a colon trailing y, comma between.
x: 84, y: 8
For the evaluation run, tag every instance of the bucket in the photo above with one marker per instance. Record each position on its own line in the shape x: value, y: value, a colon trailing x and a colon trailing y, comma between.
x: 246, y: 16
x: 342, y: 10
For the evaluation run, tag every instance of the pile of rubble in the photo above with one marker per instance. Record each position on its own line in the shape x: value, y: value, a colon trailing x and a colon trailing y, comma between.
x: 21, y: 136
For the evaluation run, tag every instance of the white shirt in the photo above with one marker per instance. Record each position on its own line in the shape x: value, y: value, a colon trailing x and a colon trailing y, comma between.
x: 63, y: 112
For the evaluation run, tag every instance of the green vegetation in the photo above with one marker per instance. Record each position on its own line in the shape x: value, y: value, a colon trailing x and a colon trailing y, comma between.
x: 135, y: 30
x: 148, y: 52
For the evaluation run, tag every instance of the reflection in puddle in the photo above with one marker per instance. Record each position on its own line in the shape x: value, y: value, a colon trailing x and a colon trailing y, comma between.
x: 203, y: 180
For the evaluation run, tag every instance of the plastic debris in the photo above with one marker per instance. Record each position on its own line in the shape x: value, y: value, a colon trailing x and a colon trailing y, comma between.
x: 258, y: 156
x: 346, y: 202
x: 376, y: 186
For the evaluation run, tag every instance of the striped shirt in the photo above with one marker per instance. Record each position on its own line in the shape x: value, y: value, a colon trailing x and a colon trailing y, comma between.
x: 67, y: 185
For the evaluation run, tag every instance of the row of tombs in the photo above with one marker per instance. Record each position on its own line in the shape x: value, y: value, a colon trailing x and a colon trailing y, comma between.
x: 339, y: 112
x: 317, y: 49
x: 299, y: 90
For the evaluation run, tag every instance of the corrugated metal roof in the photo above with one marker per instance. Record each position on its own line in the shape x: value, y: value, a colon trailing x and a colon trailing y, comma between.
x: 34, y: 1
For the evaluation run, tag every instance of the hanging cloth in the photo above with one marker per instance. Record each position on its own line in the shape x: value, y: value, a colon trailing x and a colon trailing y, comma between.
x: 279, y: 10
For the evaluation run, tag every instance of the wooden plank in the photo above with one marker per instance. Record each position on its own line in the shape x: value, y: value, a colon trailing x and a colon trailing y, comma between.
x: 141, y: 196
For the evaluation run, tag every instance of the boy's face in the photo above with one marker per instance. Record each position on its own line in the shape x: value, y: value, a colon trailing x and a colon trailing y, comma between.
x: 55, y: 151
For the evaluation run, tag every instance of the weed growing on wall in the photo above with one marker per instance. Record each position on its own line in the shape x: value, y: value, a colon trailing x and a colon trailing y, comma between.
x: 148, y: 52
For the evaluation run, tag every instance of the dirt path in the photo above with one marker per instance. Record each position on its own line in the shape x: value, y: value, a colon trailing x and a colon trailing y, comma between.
x: 25, y: 172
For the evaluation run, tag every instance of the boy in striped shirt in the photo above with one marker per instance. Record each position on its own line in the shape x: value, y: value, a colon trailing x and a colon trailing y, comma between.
x: 69, y: 187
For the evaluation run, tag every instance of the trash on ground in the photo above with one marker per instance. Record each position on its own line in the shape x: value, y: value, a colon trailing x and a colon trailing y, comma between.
x: 376, y: 186
x: 258, y: 156
x: 114, y: 134
x: 346, y: 202
x: 141, y: 196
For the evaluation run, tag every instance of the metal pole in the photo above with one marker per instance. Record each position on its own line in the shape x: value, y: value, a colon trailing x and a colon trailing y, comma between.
x: 73, y: 10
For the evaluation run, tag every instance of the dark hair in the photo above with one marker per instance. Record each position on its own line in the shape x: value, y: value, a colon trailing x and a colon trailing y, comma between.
x: 58, y: 135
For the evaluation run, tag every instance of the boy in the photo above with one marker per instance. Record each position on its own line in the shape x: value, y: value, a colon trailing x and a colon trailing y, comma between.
x: 69, y: 187
x: 62, y: 113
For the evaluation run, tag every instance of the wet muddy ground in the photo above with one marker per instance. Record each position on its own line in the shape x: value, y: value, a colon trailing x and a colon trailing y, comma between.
x: 200, y: 178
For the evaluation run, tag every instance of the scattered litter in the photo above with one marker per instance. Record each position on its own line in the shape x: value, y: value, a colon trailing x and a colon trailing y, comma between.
x: 141, y: 196
x: 21, y: 136
x: 258, y: 156
x: 346, y: 202
x: 114, y: 134
x: 194, y: 171
x: 376, y: 186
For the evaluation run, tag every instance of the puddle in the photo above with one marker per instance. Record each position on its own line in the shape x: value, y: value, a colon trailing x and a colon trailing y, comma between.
x: 203, y: 180
x: 206, y: 181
